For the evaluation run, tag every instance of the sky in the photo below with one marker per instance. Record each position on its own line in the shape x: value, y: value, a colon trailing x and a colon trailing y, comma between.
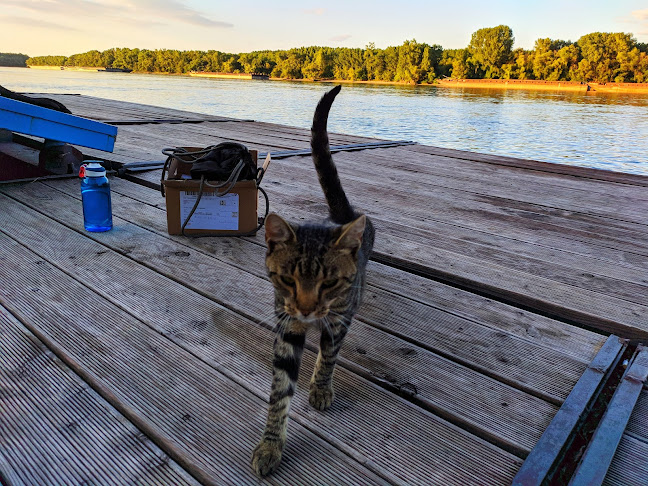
x: 65, y: 27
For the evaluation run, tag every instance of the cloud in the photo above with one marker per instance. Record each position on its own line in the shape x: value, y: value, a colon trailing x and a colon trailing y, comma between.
x: 315, y: 11
x: 640, y: 19
x: 341, y: 38
x: 29, y: 22
x: 641, y: 14
x: 176, y: 10
x: 142, y: 12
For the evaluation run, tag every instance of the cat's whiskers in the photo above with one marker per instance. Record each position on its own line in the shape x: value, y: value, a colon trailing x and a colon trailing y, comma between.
x: 283, y: 325
x: 341, y: 321
x: 266, y: 322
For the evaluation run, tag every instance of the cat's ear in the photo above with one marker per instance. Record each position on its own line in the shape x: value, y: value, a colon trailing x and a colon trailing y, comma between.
x: 351, y: 236
x: 277, y: 231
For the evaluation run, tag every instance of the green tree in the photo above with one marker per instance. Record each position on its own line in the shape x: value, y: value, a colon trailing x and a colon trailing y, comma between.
x: 125, y: 58
x: 524, y: 64
x: 146, y: 62
x: 320, y: 66
x: 602, y: 54
x: 289, y: 66
x: 633, y: 66
x: 232, y: 64
x: 409, y: 67
x: 554, y: 60
x: 46, y: 61
x: 454, y: 63
x: 349, y: 64
x: 490, y: 48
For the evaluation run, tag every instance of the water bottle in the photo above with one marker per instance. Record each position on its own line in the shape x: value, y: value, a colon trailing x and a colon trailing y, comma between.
x: 95, y: 194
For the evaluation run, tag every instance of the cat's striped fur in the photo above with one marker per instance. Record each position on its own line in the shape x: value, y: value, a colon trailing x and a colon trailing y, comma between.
x: 318, y: 273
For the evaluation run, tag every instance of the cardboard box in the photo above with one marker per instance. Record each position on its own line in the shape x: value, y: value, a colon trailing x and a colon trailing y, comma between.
x: 230, y: 215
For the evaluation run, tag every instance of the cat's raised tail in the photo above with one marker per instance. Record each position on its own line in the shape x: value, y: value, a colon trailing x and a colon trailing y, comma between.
x: 340, y: 209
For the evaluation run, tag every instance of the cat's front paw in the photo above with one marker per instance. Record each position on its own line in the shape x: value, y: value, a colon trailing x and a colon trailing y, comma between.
x: 266, y: 457
x: 321, y: 398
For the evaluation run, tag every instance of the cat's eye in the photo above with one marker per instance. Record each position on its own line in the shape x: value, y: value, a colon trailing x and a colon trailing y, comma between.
x: 287, y: 280
x: 330, y: 283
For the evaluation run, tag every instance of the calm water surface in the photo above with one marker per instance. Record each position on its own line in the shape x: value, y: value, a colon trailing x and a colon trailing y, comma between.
x: 606, y: 131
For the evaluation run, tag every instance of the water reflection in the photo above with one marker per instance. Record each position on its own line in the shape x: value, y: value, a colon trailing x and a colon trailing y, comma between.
x: 603, y: 130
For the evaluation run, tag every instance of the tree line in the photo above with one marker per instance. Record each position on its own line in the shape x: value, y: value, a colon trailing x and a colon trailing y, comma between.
x: 13, y: 60
x: 596, y: 57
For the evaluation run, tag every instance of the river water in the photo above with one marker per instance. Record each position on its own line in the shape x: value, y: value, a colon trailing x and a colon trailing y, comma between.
x: 605, y: 131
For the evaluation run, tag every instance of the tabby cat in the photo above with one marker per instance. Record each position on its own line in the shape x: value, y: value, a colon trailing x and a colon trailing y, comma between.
x: 318, y: 273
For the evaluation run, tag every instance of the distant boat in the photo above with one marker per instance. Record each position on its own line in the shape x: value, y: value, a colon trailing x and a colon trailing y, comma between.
x: 114, y: 70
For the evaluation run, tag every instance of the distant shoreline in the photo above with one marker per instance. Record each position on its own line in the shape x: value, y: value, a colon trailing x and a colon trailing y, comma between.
x: 575, y: 86
x: 545, y: 85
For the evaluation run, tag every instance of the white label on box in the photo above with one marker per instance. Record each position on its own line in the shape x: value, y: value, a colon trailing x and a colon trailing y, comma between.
x: 213, y: 212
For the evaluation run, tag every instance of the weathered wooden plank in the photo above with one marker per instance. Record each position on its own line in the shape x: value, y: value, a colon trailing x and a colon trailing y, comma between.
x: 593, y: 309
x: 8, y: 476
x: 508, y: 189
x: 562, y: 265
x: 257, y: 132
x: 166, y: 392
x: 242, y: 253
x: 56, y: 430
x: 497, y: 353
x: 534, y: 165
x: 552, y: 294
x: 208, y: 417
x: 508, y: 417
x: 459, y: 223
x: 484, y: 208
x: 638, y: 424
x: 487, y: 227
x: 630, y: 466
x: 536, y: 182
x: 107, y: 109
x: 145, y: 142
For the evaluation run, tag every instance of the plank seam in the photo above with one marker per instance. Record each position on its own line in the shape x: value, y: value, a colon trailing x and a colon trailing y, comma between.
x: 512, y: 162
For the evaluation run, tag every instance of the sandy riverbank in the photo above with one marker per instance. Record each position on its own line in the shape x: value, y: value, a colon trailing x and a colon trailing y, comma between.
x: 545, y: 85
x: 639, y: 88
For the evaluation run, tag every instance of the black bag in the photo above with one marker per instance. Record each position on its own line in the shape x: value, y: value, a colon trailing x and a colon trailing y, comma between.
x: 222, y: 161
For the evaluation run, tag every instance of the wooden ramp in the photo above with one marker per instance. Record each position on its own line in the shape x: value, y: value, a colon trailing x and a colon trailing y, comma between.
x: 493, y: 286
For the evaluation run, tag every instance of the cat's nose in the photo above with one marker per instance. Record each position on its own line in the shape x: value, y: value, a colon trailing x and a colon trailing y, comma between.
x: 306, y: 302
x: 306, y: 311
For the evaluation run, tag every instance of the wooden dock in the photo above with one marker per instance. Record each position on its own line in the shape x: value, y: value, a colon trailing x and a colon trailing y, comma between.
x: 135, y: 357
